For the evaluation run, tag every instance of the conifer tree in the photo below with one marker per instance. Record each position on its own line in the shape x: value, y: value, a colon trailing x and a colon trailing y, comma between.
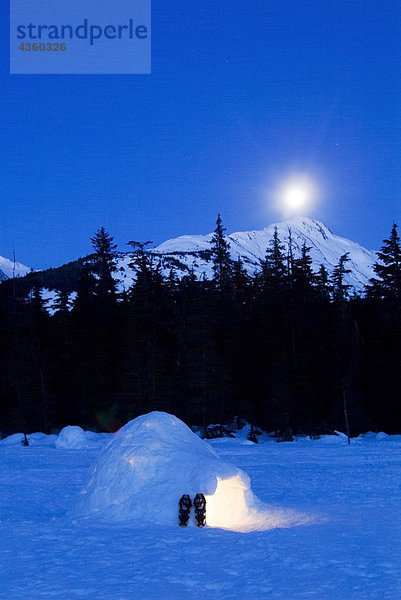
x: 274, y: 270
x: 104, y: 262
x: 346, y: 341
x: 222, y: 263
x: 141, y: 259
x: 85, y: 290
x: 38, y: 339
x: 37, y: 302
x: 148, y: 276
x: 240, y: 277
x: 95, y: 318
x: 150, y: 306
x: 340, y: 289
x: 17, y: 373
x: 388, y: 269
x: 290, y: 256
x: 323, y: 282
x: 63, y: 376
x: 172, y: 280
x: 62, y: 303
x: 302, y: 268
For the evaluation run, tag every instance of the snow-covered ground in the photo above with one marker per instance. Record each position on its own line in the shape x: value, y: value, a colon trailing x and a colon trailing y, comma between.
x: 350, y: 548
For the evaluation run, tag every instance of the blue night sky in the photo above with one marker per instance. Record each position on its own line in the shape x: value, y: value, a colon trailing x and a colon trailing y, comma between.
x: 241, y: 95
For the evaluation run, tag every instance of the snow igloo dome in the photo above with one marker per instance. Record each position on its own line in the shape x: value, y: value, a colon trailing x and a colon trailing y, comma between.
x: 150, y: 463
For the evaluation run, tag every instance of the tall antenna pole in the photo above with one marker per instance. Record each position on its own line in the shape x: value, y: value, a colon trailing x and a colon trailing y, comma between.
x: 14, y: 265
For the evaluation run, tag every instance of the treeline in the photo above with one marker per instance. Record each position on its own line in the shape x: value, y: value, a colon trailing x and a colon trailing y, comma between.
x: 287, y: 349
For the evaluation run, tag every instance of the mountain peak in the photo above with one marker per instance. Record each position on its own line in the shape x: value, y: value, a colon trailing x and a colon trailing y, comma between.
x: 306, y: 224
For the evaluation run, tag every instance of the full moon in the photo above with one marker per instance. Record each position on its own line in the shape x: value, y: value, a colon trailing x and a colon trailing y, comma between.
x: 295, y: 196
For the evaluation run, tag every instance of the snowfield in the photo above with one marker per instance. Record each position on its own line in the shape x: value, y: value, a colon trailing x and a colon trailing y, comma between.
x: 348, y: 546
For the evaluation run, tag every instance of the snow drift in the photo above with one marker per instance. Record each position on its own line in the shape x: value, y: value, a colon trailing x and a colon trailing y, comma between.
x: 73, y: 437
x: 154, y: 459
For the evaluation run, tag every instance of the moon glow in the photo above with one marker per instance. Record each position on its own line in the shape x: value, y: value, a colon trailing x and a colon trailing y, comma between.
x: 295, y: 196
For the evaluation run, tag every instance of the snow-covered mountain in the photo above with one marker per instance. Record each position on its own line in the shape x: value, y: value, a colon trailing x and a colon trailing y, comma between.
x: 8, y: 269
x: 189, y: 252
x: 193, y: 252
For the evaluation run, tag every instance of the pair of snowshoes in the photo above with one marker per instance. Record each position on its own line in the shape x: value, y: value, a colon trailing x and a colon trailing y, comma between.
x: 185, y: 505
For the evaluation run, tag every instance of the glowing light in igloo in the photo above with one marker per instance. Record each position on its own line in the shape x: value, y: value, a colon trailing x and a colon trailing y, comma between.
x: 227, y: 507
x: 234, y: 507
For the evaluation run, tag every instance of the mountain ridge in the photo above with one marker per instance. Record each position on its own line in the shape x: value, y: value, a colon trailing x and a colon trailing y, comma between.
x: 325, y: 248
x: 192, y: 253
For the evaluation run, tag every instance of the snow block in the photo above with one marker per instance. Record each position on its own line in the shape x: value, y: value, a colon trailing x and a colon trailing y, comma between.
x: 72, y: 437
x: 150, y: 463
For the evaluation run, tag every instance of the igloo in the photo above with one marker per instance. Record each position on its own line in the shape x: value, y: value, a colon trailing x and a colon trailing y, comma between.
x: 154, y: 459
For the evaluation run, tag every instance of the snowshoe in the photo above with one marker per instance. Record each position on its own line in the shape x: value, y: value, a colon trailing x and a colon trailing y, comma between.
x: 184, y: 505
x: 200, y: 510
